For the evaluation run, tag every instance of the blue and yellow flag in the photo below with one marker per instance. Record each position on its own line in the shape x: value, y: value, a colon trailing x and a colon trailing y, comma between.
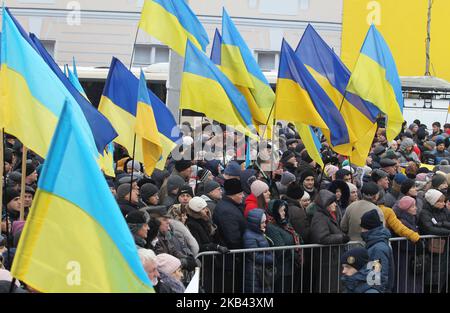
x: 236, y: 61
x: 32, y: 96
x: 73, y: 77
x: 101, y: 128
x: 146, y: 128
x: 173, y: 23
x: 222, y: 103
x: 333, y: 76
x: 76, y: 239
x: 311, y: 142
x: 119, y: 104
x: 375, y: 79
x: 301, y: 99
x: 106, y: 161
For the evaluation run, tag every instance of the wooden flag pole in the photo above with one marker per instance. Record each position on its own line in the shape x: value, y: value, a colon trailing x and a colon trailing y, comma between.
x: 22, y: 184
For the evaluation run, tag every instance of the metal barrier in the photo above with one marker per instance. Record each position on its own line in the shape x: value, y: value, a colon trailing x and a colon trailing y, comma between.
x: 419, y: 268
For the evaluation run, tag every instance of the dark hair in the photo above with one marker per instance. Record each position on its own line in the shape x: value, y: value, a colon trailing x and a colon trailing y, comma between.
x: 437, y: 124
x: 261, y: 201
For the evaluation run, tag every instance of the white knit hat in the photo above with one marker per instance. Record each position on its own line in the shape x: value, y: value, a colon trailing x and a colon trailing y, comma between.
x: 197, y: 204
x: 352, y: 187
x: 306, y: 196
x: 167, y: 263
x: 258, y: 188
x: 432, y: 196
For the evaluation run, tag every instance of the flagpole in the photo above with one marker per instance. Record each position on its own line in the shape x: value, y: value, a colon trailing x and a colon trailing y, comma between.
x: 22, y: 183
x: 134, y: 140
x: 2, y: 169
x: 268, y: 119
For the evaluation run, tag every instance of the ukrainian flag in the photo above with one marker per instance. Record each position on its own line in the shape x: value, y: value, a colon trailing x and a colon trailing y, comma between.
x: 311, y: 142
x: 375, y: 79
x: 237, y: 63
x: 32, y: 96
x: 146, y: 128
x: 119, y: 104
x: 106, y: 161
x: 75, y: 238
x: 333, y: 76
x: 73, y: 78
x: 173, y: 23
x: 101, y: 128
x: 299, y: 98
x: 222, y: 102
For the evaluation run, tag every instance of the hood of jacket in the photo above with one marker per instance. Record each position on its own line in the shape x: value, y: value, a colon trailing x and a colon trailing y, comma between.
x: 325, y: 198
x: 357, y: 283
x: 254, y: 220
x: 376, y: 235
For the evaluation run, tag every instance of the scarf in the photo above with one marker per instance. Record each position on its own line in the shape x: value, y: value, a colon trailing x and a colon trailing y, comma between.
x: 284, y: 224
x: 196, y: 215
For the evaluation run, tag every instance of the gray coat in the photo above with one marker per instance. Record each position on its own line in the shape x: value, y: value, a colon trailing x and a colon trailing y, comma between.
x: 352, y: 218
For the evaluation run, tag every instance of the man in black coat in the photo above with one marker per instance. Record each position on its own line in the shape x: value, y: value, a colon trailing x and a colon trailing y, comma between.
x: 229, y: 218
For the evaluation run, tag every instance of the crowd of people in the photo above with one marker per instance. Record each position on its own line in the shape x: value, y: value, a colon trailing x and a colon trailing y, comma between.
x: 196, y: 205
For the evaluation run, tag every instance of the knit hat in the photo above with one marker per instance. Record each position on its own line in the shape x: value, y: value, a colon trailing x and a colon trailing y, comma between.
x: 306, y: 173
x: 439, y: 141
x: 135, y: 164
x: 406, y: 202
x: 10, y: 194
x: 15, y: 177
x: 197, y: 204
x: 305, y: 156
x: 258, y: 188
x: 387, y: 162
x: 287, y: 155
x: 370, y: 189
x: 148, y: 190
x: 174, y: 182
x: 29, y: 190
x: 211, y: 185
x: 306, y: 196
x: 123, y: 190
x: 406, y: 186
x: 352, y: 187
x: 438, y: 180
x: 330, y: 170
x: 431, y: 145
x: 287, y: 178
x: 371, y: 220
x: 30, y: 169
x: 378, y: 174
x: 137, y: 217
x: 185, y: 189
x: 203, y: 174
x: 182, y: 165
x: 167, y: 263
x: 232, y: 186
x: 390, y: 154
x: 399, y: 178
x: 294, y: 191
x: 432, y: 196
x: 233, y: 169
x: 379, y: 150
x: 356, y: 258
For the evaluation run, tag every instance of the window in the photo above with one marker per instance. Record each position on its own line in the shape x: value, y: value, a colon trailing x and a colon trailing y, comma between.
x: 49, y: 45
x: 268, y: 60
x: 145, y: 55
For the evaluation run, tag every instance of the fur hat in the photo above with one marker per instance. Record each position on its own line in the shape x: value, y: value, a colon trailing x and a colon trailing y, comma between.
x: 232, y: 186
x: 371, y: 220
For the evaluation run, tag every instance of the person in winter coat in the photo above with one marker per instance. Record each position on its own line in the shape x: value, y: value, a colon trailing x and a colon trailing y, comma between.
x: 307, y: 179
x: 213, y: 193
x: 258, y: 266
x: 127, y: 198
x: 297, y: 211
x: 408, y: 188
x: 434, y: 219
x: 259, y: 198
x: 405, y: 252
x: 394, y: 194
x: 138, y: 223
x: 231, y: 225
x: 355, y: 271
x: 281, y: 232
x: 440, y: 152
x: 168, y: 194
x: 406, y: 153
x: 179, y: 229
x: 325, y: 230
x: 287, y: 179
x: 342, y: 192
x: 351, y: 220
x: 171, y: 274
x: 199, y: 222
x: 376, y: 237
